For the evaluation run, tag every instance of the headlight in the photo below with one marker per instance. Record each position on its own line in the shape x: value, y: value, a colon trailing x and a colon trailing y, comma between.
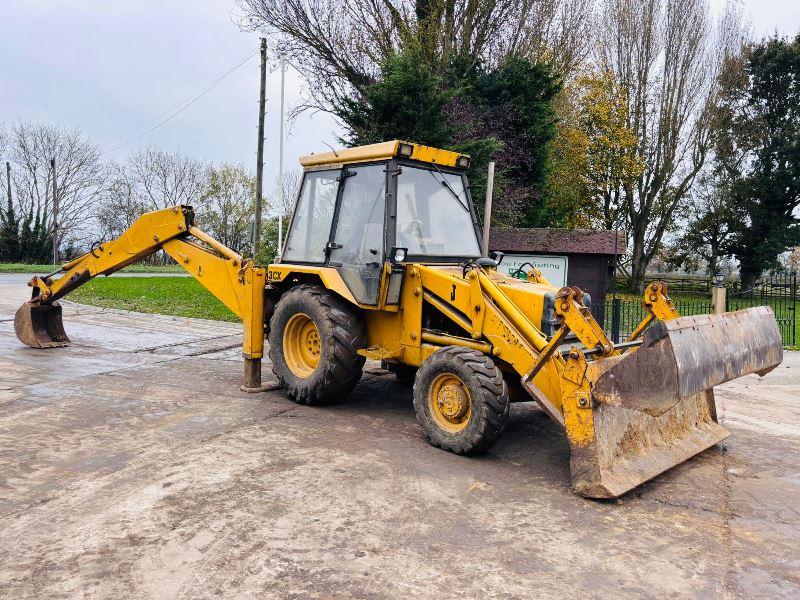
x: 463, y: 162
x: 399, y: 254
x: 406, y: 150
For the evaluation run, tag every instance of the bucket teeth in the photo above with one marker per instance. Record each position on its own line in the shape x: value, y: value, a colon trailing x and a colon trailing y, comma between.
x: 40, y: 325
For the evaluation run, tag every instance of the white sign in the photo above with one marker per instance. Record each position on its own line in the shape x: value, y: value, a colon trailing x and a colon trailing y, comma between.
x: 554, y: 268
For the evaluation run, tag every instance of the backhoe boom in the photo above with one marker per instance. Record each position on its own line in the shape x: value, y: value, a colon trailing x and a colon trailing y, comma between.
x: 235, y: 281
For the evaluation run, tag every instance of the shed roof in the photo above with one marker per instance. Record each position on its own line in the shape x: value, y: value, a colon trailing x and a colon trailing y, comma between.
x: 557, y: 241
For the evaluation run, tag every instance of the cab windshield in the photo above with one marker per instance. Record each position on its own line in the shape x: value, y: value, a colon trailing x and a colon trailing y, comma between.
x: 433, y: 216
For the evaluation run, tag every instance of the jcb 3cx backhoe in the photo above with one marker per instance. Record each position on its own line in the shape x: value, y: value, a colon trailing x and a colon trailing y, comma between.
x: 382, y: 261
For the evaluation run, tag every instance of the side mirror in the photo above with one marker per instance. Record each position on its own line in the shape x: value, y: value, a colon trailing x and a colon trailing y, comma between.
x: 486, y: 263
x: 497, y: 256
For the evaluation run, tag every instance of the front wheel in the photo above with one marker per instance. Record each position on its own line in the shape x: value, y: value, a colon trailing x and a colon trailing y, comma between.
x: 313, y: 342
x: 461, y: 400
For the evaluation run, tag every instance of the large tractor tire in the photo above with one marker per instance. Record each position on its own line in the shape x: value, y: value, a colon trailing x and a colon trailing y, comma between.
x: 461, y: 400
x: 313, y: 339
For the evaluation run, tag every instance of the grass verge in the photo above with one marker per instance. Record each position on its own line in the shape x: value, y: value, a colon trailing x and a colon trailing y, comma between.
x: 185, y: 297
x: 178, y: 296
x: 27, y: 268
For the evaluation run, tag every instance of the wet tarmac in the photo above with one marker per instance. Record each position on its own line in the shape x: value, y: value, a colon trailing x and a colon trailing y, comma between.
x: 131, y: 466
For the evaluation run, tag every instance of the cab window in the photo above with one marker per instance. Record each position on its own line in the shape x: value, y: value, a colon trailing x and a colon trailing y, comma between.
x: 311, y: 225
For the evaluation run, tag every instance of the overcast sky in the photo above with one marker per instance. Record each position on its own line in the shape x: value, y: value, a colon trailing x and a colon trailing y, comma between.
x: 107, y: 67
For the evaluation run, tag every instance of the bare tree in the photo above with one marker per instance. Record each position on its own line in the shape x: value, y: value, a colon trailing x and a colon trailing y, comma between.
x: 556, y: 31
x: 662, y: 53
x: 3, y: 155
x: 151, y: 179
x: 118, y: 206
x: 291, y: 187
x: 228, y: 205
x: 338, y: 46
x: 80, y: 175
x: 159, y: 179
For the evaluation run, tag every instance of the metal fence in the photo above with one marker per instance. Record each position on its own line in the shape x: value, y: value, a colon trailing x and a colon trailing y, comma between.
x: 620, y: 316
x: 778, y: 291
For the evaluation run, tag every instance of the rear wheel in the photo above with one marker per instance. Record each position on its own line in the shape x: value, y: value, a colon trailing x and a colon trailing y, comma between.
x: 313, y: 341
x: 461, y: 400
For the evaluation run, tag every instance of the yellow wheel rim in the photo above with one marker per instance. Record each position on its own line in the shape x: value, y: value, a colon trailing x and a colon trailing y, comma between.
x: 301, y: 345
x: 449, y: 402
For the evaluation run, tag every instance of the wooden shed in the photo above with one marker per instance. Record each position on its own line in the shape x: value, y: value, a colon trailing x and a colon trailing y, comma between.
x: 580, y: 257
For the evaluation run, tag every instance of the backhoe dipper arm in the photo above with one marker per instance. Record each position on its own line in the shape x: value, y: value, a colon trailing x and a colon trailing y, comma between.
x: 140, y: 240
x: 236, y: 282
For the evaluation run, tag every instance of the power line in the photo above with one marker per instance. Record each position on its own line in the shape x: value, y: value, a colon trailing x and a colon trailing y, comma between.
x: 178, y: 108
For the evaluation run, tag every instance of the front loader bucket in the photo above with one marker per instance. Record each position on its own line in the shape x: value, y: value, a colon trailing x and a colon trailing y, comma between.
x: 654, y: 408
x: 40, y: 325
x: 688, y: 355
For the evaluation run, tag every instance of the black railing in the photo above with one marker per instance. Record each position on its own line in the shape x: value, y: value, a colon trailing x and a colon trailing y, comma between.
x: 620, y: 316
x: 778, y: 291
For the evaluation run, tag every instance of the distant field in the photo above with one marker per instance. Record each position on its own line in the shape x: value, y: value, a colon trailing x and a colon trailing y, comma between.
x: 179, y: 296
x: 28, y: 268
x: 185, y: 297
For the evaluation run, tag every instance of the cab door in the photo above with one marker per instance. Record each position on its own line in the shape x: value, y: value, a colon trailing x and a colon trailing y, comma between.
x: 356, y: 249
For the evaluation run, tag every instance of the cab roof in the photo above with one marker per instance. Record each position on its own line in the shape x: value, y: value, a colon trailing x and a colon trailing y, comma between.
x: 385, y: 151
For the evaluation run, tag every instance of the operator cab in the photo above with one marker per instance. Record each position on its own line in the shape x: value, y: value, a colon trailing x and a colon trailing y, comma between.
x: 395, y: 201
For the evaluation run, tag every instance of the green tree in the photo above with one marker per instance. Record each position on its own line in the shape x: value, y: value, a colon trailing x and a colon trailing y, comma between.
x: 595, y: 156
x: 504, y: 113
x: 408, y: 101
x: 706, y: 240
x: 227, y: 205
x: 9, y: 234
x: 35, y: 242
x: 514, y: 105
x: 766, y: 129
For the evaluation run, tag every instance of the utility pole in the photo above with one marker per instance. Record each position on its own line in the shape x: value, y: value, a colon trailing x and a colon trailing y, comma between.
x: 8, y: 181
x: 55, y: 212
x: 260, y: 152
x: 280, y: 160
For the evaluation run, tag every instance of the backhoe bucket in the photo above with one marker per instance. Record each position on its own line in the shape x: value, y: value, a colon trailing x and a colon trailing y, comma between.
x: 654, y: 408
x: 40, y: 325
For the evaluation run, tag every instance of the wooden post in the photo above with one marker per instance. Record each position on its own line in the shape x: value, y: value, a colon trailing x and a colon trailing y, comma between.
x: 260, y: 151
x: 280, y: 161
x: 55, y: 212
x: 487, y: 210
x: 718, y: 295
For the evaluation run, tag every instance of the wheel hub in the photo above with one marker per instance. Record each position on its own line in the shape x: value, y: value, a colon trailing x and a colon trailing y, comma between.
x: 449, y: 402
x: 301, y: 345
x: 453, y: 401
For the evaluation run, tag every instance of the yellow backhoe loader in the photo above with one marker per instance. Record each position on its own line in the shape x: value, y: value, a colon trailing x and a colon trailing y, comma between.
x: 382, y: 261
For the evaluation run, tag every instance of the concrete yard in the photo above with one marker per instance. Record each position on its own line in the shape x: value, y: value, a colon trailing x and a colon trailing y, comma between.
x: 131, y: 466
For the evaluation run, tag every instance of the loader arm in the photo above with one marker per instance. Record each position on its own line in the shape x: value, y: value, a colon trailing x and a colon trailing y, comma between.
x: 629, y: 411
x: 235, y: 281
